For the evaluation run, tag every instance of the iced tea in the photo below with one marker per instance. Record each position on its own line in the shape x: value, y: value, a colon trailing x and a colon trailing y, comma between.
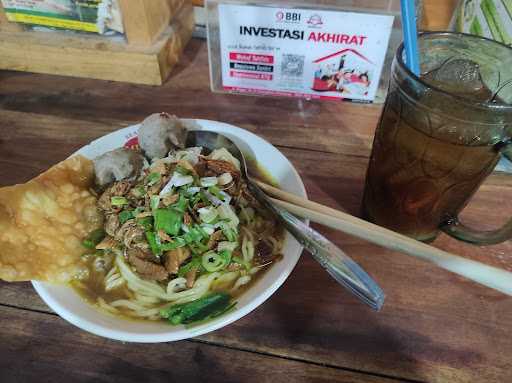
x: 438, y: 138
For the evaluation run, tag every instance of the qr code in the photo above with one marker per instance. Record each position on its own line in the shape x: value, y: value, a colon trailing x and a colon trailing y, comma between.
x: 292, y: 65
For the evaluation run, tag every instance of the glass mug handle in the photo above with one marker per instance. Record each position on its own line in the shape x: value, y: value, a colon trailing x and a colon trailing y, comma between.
x: 457, y: 230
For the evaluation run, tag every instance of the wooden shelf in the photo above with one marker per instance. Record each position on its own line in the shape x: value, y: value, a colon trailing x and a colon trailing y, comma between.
x: 145, y: 20
x: 153, y: 47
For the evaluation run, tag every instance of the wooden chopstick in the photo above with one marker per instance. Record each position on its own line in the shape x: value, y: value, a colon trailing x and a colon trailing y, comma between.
x: 292, y: 198
x: 486, y: 275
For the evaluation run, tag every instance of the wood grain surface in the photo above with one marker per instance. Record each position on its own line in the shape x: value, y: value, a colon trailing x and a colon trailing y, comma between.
x: 437, y: 14
x: 435, y: 326
x: 31, y: 348
x: 6, y: 25
x: 145, y: 20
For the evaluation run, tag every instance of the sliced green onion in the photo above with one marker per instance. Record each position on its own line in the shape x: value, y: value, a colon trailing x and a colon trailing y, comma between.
x: 208, y: 181
x: 225, y: 197
x: 227, y: 246
x: 93, y: 238
x: 138, y: 210
x: 208, y: 228
x: 146, y: 223
x: 168, y: 220
x: 207, y: 214
x: 153, y: 244
x: 153, y: 178
x: 212, y: 261
x: 125, y: 215
x: 118, y: 201
x: 211, y: 199
x: 138, y: 191
x: 240, y: 261
x: 195, y: 199
x: 202, y: 231
x: 204, y: 198
x: 230, y: 234
x: 154, y: 201
x: 195, y: 262
x: 181, y: 170
x: 179, y: 179
x: 193, y: 190
x: 226, y: 255
x: 176, y: 243
x: 193, y: 236
x: 198, y: 248
x: 224, y: 179
x: 167, y: 189
x: 196, y: 251
x: 226, y: 211
x: 215, y: 191
x: 181, y: 205
x: 220, y: 221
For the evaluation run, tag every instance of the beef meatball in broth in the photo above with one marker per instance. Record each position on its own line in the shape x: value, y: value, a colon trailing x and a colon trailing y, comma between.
x: 159, y: 133
x: 116, y: 165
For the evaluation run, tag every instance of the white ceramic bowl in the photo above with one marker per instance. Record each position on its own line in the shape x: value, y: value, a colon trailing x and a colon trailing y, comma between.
x: 70, y: 306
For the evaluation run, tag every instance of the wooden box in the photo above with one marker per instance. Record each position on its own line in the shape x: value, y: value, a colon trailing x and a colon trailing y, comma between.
x: 156, y: 33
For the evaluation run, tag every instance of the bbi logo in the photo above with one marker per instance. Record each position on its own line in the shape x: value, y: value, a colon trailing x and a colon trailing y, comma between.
x: 290, y: 17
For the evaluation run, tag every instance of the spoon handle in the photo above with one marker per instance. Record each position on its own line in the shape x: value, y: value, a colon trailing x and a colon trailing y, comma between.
x: 340, y: 266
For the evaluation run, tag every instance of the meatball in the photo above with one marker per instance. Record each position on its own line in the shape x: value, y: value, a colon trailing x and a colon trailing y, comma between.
x: 116, y: 165
x: 160, y: 133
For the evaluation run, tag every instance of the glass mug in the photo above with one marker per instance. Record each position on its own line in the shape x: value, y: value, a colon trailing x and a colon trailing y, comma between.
x: 439, y: 136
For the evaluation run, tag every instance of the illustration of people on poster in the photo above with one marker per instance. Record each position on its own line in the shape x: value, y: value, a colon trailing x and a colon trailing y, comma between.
x: 347, y: 72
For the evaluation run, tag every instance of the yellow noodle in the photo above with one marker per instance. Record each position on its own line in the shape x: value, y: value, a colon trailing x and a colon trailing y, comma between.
x: 105, y: 306
x: 176, y: 283
x: 225, y: 281
x: 201, y: 286
x: 241, y: 281
x: 145, y: 299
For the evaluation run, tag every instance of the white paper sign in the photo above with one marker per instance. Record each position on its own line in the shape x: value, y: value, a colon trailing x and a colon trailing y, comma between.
x: 302, y: 52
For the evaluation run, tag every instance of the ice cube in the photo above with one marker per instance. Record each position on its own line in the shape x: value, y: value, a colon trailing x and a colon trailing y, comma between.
x: 461, y: 77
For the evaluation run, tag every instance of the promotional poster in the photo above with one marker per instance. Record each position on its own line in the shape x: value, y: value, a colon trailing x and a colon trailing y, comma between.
x: 301, y: 52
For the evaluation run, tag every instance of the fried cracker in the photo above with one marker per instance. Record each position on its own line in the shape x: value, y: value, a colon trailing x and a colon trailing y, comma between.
x: 43, y: 222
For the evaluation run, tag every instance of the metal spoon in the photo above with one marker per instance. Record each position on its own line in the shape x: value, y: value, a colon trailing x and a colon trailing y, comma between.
x: 342, y: 268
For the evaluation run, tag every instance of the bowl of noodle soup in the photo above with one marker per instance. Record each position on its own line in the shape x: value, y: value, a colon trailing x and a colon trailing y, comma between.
x: 71, y: 306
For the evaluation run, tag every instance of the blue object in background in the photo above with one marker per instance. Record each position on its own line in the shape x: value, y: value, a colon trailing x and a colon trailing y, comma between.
x: 410, y: 35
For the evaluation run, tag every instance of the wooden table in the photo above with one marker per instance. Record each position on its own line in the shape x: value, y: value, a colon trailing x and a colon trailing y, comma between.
x: 434, y: 327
